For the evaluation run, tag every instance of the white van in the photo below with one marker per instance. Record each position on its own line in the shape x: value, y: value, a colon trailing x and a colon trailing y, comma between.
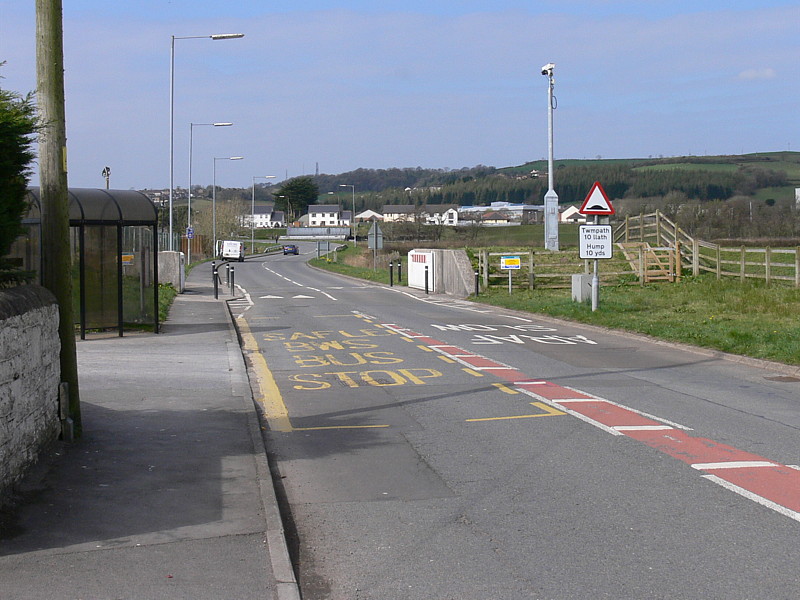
x: 232, y: 251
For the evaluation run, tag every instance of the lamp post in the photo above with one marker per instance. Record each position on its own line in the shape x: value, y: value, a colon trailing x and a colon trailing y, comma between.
x: 215, y: 36
x: 189, y: 208
x: 214, y: 197
x: 550, y: 198
x: 253, y: 212
x: 353, y: 216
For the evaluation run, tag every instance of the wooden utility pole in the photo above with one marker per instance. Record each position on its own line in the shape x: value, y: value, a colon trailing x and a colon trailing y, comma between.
x: 56, y: 259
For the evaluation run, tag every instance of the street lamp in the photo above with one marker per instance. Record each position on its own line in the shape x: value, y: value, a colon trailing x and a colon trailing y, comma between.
x: 214, y: 197
x: 353, y: 216
x: 253, y: 211
x: 215, y: 36
x: 550, y: 198
x: 189, y: 209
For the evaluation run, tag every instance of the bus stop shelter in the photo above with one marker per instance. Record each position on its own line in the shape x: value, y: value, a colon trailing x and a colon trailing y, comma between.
x: 114, y: 249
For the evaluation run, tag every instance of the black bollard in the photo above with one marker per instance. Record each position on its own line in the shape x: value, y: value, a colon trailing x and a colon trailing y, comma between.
x: 477, y: 283
x: 391, y: 274
x: 426, y: 279
x: 232, y: 281
x: 399, y: 272
x: 215, y: 279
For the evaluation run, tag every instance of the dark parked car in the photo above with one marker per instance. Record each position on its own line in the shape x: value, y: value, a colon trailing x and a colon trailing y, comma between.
x: 290, y: 249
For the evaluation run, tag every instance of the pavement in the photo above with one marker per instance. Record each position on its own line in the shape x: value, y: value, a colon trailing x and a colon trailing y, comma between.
x: 168, y: 492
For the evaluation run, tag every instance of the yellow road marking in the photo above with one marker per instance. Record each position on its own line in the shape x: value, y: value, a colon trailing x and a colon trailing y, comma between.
x: 269, y: 396
x: 549, y: 411
x: 421, y: 347
x: 472, y: 372
x: 339, y: 427
x: 447, y: 359
x: 504, y: 388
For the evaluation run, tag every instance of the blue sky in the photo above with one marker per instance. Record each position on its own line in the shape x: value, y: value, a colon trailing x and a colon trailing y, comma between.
x: 403, y: 84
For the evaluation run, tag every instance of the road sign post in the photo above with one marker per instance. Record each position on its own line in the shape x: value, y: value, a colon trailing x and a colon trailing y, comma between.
x: 510, y: 263
x: 595, y: 241
x: 375, y: 242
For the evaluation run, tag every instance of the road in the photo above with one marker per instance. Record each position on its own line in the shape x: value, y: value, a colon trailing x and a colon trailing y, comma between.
x: 428, y: 448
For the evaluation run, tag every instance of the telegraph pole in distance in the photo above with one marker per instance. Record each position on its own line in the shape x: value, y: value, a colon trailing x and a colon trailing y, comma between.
x: 56, y: 259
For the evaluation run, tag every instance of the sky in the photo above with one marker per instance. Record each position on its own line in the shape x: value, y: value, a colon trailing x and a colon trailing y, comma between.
x: 435, y: 84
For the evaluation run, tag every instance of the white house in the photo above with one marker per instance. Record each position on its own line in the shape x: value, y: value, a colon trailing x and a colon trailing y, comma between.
x: 571, y: 214
x: 441, y: 214
x: 398, y: 212
x: 431, y: 214
x: 328, y: 215
x: 264, y: 217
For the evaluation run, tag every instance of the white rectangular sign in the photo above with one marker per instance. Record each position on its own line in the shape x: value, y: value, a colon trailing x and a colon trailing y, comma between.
x: 595, y: 241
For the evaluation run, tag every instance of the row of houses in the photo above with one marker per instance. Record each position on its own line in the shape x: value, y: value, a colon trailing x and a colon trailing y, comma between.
x: 333, y: 215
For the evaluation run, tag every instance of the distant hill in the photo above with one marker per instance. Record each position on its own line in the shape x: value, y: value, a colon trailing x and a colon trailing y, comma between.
x: 767, y: 175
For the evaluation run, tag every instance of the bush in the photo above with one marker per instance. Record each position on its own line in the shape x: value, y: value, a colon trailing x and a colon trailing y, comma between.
x: 17, y: 129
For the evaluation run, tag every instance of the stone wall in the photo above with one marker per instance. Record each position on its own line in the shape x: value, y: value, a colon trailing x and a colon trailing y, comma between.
x: 30, y: 373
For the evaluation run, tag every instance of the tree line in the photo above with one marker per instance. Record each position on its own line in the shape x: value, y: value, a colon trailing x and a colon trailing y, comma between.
x: 711, y: 196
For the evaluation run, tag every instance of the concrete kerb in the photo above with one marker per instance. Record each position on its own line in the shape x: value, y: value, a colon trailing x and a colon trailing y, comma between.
x: 287, y: 587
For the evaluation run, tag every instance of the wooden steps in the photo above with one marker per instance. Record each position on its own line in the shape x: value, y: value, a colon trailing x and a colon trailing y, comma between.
x: 651, y: 263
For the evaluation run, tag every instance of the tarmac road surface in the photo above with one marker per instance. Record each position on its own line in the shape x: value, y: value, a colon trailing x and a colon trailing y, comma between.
x: 429, y: 448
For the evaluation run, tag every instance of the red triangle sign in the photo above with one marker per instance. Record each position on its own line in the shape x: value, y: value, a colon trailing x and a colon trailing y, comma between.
x: 596, y: 203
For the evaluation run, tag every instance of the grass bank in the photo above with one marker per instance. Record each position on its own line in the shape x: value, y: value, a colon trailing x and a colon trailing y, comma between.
x: 749, y: 319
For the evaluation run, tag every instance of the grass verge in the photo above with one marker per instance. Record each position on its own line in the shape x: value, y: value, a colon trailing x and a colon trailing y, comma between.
x: 749, y: 319
x: 166, y: 294
x: 358, y: 262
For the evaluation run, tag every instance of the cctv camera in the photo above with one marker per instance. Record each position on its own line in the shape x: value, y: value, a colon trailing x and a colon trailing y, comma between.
x: 548, y: 69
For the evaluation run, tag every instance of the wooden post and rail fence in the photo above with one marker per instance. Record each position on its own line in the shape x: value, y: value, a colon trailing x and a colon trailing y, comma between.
x: 651, y: 248
x: 657, y: 231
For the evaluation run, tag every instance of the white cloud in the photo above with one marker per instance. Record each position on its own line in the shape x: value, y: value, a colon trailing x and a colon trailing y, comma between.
x: 762, y: 73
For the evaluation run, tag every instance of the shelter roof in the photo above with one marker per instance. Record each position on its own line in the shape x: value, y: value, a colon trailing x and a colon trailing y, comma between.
x: 98, y: 206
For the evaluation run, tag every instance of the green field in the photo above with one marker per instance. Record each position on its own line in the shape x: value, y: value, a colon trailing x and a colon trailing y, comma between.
x: 722, y: 167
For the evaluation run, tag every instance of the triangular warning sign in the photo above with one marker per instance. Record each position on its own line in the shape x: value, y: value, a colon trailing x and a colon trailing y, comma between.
x: 597, y: 203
